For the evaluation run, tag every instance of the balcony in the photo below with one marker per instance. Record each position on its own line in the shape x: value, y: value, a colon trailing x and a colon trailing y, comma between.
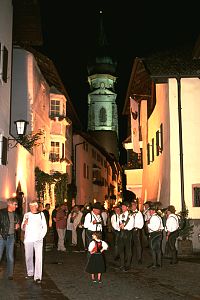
x: 60, y: 118
x: 99, y: 182
x: 54, y: 157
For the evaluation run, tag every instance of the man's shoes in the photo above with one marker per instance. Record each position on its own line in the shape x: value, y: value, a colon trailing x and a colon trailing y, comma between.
x: 121, y: 268
x: 152, y: 266
x: 38, y: 281
x: 29, y: 277
x: 10, y: 277
x: 94, y: 281
x: 158, y: 266
x: 116, y: 258
x: 99, y: 281
x: 126, y: 269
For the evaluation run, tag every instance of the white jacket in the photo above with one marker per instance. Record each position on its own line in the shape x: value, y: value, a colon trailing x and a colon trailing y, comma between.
x: 36, y: 228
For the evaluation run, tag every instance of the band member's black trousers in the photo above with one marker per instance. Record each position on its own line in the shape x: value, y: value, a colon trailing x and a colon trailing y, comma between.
x: 125, y: 248
x: 155, y: 239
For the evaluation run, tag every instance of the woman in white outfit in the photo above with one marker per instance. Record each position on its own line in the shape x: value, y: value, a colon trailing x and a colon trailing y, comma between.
x: 35, y: 227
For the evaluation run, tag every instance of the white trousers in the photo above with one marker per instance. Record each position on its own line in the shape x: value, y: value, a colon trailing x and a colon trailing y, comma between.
x: 61, y: 239
x: 74, y: 235
x: 34, y: 249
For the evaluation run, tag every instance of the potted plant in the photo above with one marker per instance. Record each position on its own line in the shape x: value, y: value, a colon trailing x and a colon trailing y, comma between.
x: 185, y: 246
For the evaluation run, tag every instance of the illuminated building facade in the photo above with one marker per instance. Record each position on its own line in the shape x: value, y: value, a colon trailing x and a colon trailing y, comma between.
x: 166, y: 87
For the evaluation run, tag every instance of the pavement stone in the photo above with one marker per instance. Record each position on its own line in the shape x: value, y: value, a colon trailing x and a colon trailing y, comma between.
x: 64, y: 278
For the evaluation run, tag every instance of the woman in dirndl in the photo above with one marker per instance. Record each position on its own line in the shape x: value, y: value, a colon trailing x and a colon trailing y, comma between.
x: 96, y: 262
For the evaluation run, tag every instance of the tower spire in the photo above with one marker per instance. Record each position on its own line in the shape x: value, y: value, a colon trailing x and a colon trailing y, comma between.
x: 102, y: 41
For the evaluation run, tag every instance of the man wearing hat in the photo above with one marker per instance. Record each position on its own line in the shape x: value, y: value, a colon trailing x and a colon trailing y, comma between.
x: 171, y: 228
x: 125, y: 237
x: 155, y: 228
x: 115, y: 219
x: 138, y: 223
x: 147, y: 216
x: 93, y: 221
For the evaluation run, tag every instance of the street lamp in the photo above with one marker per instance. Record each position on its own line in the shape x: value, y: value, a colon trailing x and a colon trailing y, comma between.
x: 21, y: 126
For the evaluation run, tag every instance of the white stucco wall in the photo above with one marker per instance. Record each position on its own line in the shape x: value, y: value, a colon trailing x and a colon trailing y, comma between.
x: 6, y: 15
x: 156, y: 174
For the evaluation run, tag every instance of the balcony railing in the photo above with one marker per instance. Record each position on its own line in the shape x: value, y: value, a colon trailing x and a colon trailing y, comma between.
x: 54, y: 157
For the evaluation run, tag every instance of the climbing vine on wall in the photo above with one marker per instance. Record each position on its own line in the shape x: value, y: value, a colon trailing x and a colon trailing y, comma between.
x: 62, y: 188
x: 30, y: 140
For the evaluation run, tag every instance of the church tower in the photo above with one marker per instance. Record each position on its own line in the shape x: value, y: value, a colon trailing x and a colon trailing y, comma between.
x: 102, y: 108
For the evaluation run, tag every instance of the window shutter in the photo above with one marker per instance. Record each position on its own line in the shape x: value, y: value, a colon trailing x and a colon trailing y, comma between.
x: 161, y: 137
x: 148, y: 154
x: 157, y: 143
x: 152, y: 150
x: 4, y: 151
x: 5, y: 64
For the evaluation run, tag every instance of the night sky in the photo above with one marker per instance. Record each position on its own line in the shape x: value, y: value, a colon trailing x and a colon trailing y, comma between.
x: 70, y: 28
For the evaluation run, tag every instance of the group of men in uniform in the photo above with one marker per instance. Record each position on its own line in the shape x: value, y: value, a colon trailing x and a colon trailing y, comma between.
x: 130, y: 226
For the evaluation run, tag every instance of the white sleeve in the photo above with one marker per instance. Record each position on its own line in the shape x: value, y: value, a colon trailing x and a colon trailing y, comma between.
x: 24, y: 218
x: 104, y: 245
x: 91, y: 246
x: 87, y: 220
x: 139, y: 220
x: 44, y: 225
x: 113, y: 222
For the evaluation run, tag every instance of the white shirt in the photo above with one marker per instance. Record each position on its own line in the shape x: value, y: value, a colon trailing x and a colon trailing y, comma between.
x: 88, y: 223
x: 36, y: 228
x: 104, y: 217
x: 69, y: 224
x: 155, y: 223
x: 146, y: 214
x: 77, y: 219
x: 138, y: 220
x: 115, y: 221
x: 172, y: 223
x: 122, y: 219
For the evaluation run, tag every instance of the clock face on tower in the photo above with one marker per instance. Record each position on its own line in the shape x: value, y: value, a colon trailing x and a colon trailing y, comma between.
x: 102, y: 85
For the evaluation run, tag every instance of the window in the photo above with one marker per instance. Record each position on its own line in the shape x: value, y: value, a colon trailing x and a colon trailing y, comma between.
x: 196, y: 195
x: 85, y: 171
x: 54, y: 153
x: 55, y: 108
x: 102, y: 116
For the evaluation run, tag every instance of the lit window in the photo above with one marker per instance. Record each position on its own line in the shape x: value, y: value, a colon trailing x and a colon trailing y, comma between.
x: 196, y: 195
x: 55, y: 108
x: 54, y: 153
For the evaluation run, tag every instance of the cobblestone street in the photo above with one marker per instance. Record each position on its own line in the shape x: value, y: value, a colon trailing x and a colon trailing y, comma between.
x: 65, y: 278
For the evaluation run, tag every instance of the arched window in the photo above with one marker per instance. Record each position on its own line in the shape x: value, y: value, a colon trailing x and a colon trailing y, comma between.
x: 102, y: 116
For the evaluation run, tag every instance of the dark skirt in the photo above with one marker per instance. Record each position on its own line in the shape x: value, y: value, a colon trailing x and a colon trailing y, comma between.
x: 96, y: 264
